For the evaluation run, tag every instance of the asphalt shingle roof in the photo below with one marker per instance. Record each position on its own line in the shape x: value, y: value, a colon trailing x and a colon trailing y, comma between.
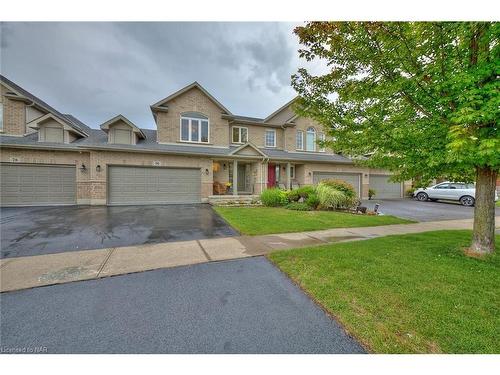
x: 66, y: 118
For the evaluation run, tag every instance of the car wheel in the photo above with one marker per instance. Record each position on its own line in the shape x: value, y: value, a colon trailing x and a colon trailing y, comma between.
x: 422, y: 197
x: 467, y: 200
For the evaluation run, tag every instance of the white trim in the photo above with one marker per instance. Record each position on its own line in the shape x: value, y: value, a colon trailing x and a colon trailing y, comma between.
x: 1, y: 117
x: 190, y: 119
x: 265, y: 137
x: 301, y: 132
x: 239, y: 134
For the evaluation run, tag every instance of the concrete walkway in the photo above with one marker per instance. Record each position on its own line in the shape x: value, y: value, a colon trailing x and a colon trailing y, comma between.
x: 34, y: 271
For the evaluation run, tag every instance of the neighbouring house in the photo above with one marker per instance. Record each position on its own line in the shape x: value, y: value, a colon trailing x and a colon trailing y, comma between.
x: 198, y: 149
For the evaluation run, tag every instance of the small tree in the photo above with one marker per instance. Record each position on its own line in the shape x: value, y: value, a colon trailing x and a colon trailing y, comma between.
x: 421, y: 99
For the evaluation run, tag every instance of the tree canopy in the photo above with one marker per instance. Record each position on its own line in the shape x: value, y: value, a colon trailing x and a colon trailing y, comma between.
x: 421, y: 98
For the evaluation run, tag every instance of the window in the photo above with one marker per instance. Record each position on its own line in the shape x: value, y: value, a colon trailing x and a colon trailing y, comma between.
x: 299, y: 140
x: 194, y: 128
x: 321, y: 138
x: 292, y: 171
x: 1, y: 116
x: 311, y: 139
x: 442, y: 186
x: 270, y: 138
x: 240, y: 135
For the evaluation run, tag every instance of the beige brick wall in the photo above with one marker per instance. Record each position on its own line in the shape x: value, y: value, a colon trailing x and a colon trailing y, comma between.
x: 301, y: 123
x: 194, y: 100
x: 14, y: 115
x: 256, y: 134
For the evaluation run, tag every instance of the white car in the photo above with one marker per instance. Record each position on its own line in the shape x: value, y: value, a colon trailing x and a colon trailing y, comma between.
x: 451, y: 191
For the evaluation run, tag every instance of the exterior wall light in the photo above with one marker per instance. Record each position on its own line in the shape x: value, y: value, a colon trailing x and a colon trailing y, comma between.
x: 98, y: 168
x: 207, y: 172
x: 83, y: 168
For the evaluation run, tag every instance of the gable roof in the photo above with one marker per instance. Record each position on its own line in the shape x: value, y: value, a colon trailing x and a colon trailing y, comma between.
x: 280, y: 109
x: 249, y: 145
x: 23, y: 94
x: 160, y: 104
x: 105, y: 126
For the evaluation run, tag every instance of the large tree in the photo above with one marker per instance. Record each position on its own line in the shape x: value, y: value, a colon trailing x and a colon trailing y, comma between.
x: 421, y: 98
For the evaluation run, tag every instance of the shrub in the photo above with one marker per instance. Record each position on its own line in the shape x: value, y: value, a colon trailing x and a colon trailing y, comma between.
x: 306, y: 191
x: 293, y: 195
x: 298, y: 206
x: 274, y: 197
x: 371, y: 193
x: 330, y: 197
x: 410, y: 191
x: 302, y: 192
x: 312, y: 201
x: 342, y: 186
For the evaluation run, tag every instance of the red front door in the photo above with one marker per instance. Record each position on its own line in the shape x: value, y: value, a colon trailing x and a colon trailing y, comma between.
x: 271, y: 176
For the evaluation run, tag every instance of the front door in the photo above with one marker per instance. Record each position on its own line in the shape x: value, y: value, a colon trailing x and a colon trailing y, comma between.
x: 271, y: 176
x: 241, y: 178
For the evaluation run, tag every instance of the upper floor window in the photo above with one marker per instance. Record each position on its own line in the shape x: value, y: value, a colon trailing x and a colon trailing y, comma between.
x: 194, y: 128
x: 322, y: 138
x: 1, y: 116
x: 240, y: 134
x: 299, y: 140
x: 311, y: 139
x: 270, y: 138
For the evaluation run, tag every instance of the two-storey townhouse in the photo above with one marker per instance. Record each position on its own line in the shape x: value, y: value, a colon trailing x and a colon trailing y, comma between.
x: 51, y: 158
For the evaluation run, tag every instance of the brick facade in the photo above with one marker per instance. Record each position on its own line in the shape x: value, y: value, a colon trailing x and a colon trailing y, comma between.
x: 194, y: 100
x: 14, y: 115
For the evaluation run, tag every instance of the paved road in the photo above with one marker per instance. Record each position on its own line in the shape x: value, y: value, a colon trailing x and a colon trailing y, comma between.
x: 42, y: 230
x: 424, y: 211
x: 241, y: 306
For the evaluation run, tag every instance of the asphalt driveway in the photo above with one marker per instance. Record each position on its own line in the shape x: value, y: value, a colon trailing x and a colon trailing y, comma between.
x: 423, y: 211
x: 240, y: 306
x: 42, y: 230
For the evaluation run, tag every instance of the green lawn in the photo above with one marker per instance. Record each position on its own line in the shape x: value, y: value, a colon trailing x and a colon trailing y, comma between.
x: 498, y: 203
x: 267, y: 220
x: 413, y: 293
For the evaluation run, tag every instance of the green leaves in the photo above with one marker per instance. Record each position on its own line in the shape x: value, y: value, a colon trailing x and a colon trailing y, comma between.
x: 421, y: 98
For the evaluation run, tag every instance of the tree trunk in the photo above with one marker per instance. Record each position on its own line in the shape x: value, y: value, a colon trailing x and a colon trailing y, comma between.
x: 483, y: 236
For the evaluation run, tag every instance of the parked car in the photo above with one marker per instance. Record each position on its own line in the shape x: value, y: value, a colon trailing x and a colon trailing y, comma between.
x: 451, y: 191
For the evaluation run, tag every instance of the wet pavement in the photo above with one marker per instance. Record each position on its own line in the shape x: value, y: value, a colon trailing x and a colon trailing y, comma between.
x: 424, y: 211
x: 27, y: 231
x: 239, y: 306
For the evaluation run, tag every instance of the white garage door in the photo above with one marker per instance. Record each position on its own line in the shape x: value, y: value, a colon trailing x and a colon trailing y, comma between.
x: 353, y: 178
x: 384, y: 188
x: 37, y: 185
x: 151, y: 185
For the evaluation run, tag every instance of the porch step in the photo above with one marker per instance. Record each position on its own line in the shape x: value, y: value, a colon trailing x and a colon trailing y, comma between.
x: 234, y: 200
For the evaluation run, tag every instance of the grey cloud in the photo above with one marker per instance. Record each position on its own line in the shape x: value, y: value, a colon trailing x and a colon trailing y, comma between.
x: 96, y: 70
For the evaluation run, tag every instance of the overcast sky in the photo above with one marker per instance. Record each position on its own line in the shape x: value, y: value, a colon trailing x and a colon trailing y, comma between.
x: 97, y: 70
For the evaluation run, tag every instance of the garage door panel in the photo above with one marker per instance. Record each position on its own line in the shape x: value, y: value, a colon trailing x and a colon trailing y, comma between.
x: 352, y: 178
x: 384, y: 188
x: 146, y: 185
x: 23, y: 184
